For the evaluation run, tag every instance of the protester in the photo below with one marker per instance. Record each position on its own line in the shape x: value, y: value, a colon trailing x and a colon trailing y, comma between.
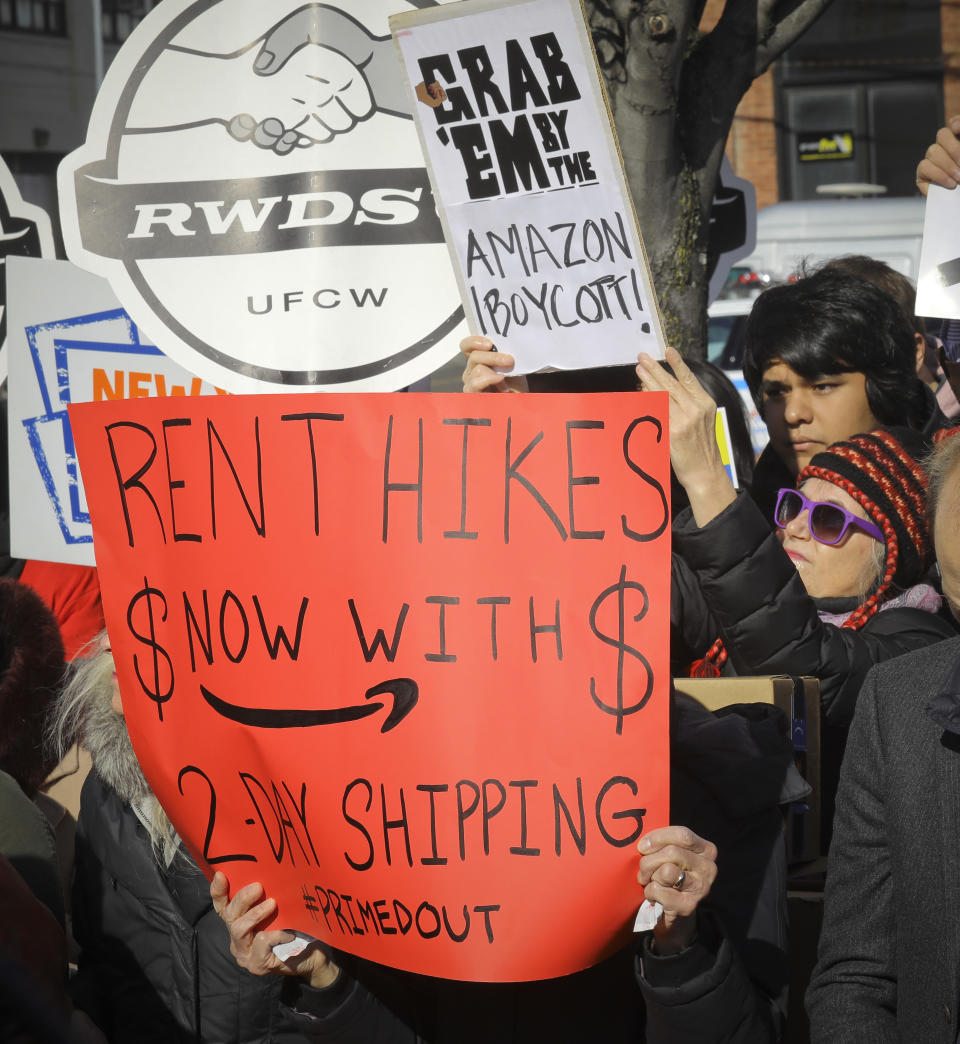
x: 34, y: 1005
x: 889, y: 953
x: 154, y: 962
x: 816, y: 597
x: 714, y: 971
x: 31, y: 671
x: 838, y: 588
x: 825, y: 358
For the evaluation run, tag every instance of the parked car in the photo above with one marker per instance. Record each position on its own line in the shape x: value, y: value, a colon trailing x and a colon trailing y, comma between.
x: 815, y: 230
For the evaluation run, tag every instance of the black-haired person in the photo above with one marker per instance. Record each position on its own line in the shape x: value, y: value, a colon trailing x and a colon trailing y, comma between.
x: 825, y: 358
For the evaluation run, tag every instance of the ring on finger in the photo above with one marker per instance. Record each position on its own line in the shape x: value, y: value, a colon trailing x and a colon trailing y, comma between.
x: 681, y: 877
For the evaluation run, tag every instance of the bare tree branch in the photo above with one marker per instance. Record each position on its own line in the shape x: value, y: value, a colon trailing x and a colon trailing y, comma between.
x: 673, y: 93
x: 787, y: 30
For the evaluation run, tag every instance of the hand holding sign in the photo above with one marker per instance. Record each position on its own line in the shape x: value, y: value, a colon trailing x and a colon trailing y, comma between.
x: 941, y: 164
x: 677, y: 870
x: 486, y: 368
x: 248, y: 916
x: 694, y: 453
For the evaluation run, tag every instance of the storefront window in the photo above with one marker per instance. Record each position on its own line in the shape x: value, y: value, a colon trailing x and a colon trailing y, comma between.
x: 121, y: 17
x: 33, y: 16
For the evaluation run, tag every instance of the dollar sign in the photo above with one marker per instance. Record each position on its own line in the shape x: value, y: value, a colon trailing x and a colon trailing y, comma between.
x: 620, y: 710
x: 152, y: 690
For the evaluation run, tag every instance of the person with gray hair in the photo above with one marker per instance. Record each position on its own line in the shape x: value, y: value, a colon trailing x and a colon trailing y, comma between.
x: 155, y: 963
x: 889, y: 958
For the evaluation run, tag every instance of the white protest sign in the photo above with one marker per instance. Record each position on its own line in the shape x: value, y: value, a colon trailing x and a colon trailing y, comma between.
x: 938, y: 280
x: 253, y: 188
x: 69, y: 341
x: 524, y: 162
x: 24, y: 232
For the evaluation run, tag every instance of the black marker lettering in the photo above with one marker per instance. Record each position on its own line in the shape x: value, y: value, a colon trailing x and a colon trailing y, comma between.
x: 512, y: 474
x: 403, y: 487
x: 395, y: 824
x: 310, y: 418
x: 133, y: 481
x: 367, y: 862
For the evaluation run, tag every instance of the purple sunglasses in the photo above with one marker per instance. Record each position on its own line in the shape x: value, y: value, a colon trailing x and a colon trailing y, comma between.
x: 827, y: 522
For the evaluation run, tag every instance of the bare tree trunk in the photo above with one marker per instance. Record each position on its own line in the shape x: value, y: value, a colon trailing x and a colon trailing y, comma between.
x: 673, y: 93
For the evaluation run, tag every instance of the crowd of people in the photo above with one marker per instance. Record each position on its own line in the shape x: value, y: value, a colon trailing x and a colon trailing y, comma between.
x: 837, y: 556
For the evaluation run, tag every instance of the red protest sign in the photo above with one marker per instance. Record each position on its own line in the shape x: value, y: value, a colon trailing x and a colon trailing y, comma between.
x: 403, y: 659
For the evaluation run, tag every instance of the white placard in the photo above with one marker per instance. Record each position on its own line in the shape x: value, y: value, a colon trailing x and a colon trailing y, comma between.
x: 68, y: 341
x: 25, y: 231
x: 938, y: 281
x: 524, y: 164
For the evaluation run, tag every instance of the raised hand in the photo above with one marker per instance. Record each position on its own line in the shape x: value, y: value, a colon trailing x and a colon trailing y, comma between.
x: 941, y: 164
x: 693, y: 440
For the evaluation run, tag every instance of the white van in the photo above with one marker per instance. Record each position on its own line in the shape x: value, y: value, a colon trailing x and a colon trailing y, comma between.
x: 818, y: 229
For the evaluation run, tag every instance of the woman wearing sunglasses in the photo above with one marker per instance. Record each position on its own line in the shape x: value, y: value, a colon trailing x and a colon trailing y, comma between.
x: 836, y: 587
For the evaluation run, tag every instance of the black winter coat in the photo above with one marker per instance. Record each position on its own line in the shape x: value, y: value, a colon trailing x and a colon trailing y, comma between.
x: 733, y: 580
x: 155, y: 964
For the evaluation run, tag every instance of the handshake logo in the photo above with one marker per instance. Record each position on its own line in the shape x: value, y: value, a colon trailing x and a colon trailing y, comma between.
x: 322, y: 73
x: 256, y: 196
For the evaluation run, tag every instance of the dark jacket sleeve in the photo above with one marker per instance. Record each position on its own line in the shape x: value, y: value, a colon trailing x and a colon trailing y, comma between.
x: 768, y: 622
x: 704, y: 994
x: 730, y: 774
x: 692, y: 626
x: 853, y: 994
x: 344, y: 1013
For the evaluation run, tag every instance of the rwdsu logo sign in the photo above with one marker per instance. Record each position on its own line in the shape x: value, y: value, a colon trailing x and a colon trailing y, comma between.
x: 252, y: 187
